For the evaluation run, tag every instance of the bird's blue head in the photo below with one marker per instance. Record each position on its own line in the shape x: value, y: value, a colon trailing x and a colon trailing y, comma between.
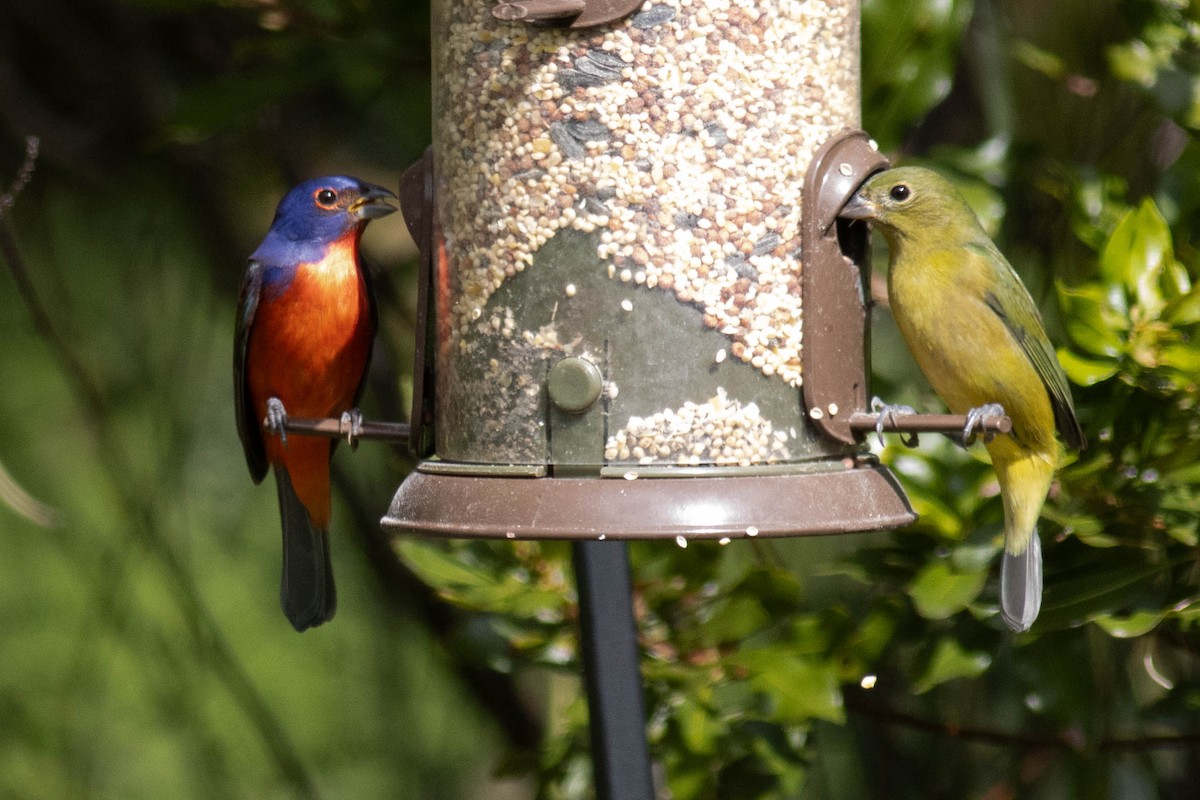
x: 323, y: 210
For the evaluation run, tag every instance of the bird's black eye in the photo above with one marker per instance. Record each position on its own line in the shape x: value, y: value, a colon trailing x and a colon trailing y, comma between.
x: 327, y: 198
x: 900, y: 193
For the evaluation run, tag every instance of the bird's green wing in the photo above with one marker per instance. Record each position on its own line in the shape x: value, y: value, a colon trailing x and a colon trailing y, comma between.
x: 1015, y: 308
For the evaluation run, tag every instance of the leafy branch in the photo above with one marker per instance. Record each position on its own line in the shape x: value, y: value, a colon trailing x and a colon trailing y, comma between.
x: 856, y: 704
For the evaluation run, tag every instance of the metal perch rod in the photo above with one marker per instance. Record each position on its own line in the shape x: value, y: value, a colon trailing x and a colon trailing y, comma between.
x: 864, y: 421
x: 949, y: 424
x: 334, y: 428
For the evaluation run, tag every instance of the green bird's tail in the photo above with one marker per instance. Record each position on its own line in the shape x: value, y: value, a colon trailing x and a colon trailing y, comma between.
x: 1021, y: 586
x: 306, y: 590
x: 1025, y: 477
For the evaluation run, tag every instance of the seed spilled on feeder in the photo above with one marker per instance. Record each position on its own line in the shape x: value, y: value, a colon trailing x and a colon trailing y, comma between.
x: 721, y: 431
x: 679, y: 137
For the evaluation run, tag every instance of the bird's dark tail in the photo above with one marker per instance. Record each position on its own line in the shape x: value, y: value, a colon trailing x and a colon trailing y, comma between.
x: 306, y: 589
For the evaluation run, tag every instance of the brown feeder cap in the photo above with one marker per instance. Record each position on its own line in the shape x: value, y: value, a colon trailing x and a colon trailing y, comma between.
x: 566, y: 13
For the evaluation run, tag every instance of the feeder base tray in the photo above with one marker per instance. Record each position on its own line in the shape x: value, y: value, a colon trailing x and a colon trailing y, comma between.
x: 865, y: 497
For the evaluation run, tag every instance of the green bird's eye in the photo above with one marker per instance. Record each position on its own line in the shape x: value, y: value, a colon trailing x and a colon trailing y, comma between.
x: 326, y: 198
x: 900, y: 193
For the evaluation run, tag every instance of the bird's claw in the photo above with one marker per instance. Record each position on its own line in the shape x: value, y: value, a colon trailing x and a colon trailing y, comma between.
x: 350, y: 426
x: 276, y: 419
x: 888, y: 412
x: 975, y: 417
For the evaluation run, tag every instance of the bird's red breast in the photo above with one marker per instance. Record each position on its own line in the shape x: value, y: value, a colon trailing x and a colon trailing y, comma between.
x: 309, y: 347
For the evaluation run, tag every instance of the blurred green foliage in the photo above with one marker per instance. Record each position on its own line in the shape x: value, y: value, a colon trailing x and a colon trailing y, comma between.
x: 143, y: 653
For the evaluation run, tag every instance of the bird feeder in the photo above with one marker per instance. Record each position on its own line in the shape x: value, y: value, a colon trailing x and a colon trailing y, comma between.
x: 639, y: 315
x: 643, y: 317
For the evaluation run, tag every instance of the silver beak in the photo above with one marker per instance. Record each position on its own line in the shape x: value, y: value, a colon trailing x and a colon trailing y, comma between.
x: 858, y: 208
x: 374, y: 203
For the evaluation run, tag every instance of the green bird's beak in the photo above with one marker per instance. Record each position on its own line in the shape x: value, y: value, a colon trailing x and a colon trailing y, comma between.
x: 858, y: 207
x: 374, y: 203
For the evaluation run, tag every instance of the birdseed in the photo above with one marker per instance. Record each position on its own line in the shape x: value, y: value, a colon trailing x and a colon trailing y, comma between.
x: 680, y: 136
x: 721, y: 431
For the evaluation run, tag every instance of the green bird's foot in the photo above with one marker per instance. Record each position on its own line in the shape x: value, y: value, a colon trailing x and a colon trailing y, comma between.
x: 276, y: 419
x: 975, y: 416
x: 888, y: 412
x: 350, y: 426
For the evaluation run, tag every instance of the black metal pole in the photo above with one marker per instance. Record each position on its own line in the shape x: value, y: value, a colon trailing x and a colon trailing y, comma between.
x: 608, y: 635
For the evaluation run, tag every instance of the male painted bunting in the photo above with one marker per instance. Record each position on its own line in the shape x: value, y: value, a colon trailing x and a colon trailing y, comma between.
x: 305, y: 327
x: 976, y: 334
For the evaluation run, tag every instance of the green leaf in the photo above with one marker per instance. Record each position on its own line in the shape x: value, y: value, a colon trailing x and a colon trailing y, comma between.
x: 698, y: 727
x: 940, y: 591
x: 1131, y: 625
x: 1183, y: 357
x: 1039, y: 60
x: 976, y: 554
x: 1096, y: 317
x: 506, y: 591
x: 949, y: 660
x: 872, y: 636
x: 1112, y: 579
x: 1185, y: 532
x: 1136, y: 254
x: 689, y: 778
x: 800, y: 688
x: 1184, y: 310
x: 441, y: 568
x: 1175, y: 280
x: 1086, y: 371
x: 1133, y: 61
x: 780, y: 758
x: 731, y: 698
x: 734, y: 619
x: 1187, y: 473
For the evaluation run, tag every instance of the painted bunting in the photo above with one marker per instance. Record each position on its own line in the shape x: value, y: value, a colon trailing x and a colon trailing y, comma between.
x: 976, y: 334
x: 305, y: 327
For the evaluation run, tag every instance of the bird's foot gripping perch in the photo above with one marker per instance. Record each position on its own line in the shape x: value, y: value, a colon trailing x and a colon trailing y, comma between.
x: 350, y: 426
x: 888, y: 411
x: 276, y: 419
x: 974, y: 419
